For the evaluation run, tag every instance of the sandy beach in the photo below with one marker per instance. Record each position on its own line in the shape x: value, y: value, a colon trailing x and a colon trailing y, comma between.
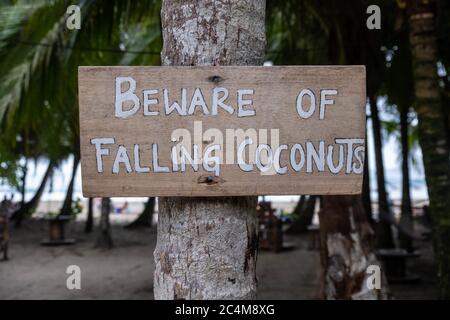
x: 126, y: 271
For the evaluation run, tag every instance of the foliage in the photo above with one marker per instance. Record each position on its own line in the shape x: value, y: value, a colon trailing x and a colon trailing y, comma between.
x: 39, y: 59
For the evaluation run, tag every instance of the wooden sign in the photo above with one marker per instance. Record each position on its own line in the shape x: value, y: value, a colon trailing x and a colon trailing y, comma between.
x: 222, y: 131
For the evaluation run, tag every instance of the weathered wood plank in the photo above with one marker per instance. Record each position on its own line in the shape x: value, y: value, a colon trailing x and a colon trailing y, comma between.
x: 274, y: 104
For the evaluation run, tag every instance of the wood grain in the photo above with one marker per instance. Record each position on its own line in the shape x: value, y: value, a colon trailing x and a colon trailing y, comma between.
x: 274, y: 101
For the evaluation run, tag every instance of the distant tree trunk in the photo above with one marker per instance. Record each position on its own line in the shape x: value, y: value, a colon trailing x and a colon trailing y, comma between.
x: 104, y: 239
x: 432, y: 130
x: 31, y: 205
x: 303, y: 214
x: 298, y: 211
x: 366, y: 195
x: 207, y: 247
x: 346, y: 250
x: 309, y: 211
x: 23, y: 183
x: 90, y: 216
x: 66, y: 208
x: 146, y: 216
x: 19, y: 217
x: 300, y: 206
x: 384, y: 234
x: 406, y: 218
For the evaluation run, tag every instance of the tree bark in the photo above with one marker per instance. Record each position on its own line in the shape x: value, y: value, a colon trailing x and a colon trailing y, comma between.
x: 346, y: 250
x: 31, y: 205
x: 384, y: 234
x: 146, y: 216
x: 66, y: 208
x: 432, y: 131
x: 104, y: 239
x: 207, y: 247
x: 366, y: 192
x: 406, y: 218
x: 90, y: 216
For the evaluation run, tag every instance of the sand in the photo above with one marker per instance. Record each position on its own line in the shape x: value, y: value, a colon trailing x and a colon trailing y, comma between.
x: 126, y: 271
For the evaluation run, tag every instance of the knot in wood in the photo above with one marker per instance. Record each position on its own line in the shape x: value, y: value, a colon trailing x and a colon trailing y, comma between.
x: 215, y: 79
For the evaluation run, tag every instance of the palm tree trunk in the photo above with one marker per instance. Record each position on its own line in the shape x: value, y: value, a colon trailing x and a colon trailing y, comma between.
x: 207, y: 247
x: 146, y: 216
x: 297, y: 213
x: 90, y: 216
x: 23, y: 185
x: 303, y: 214
x: 31, y: 205
x: 384, y: 233
x: 432, y: 131
x: 66, y: 208
x: 346, y: 250
x: 406, y: 218
x: 366, y: 192
x: 309, y: 211
x: 300, y: 206
x: 104, y: 239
